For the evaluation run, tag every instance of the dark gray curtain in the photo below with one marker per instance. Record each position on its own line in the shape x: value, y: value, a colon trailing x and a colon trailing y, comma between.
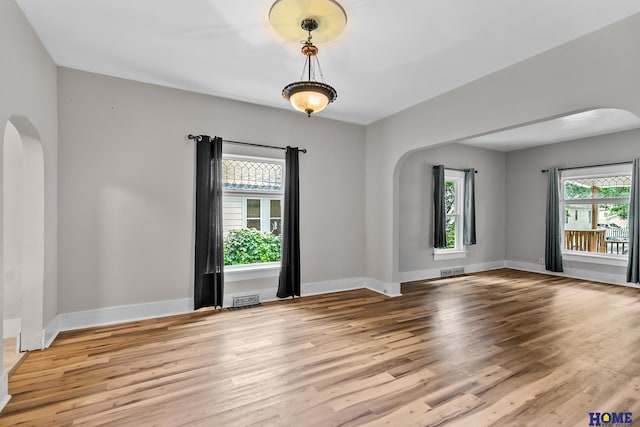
x: 552, y: 250
x: 439, y: 209
x: 633, y: 266
x: 469, y: 220
x: 289, y: 283
x: 209, y: 254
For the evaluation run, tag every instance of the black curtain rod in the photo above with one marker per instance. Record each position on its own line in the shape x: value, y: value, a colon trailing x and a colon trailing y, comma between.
x: 589, y: 166
x: 454, y: 169
x: 198, y: 138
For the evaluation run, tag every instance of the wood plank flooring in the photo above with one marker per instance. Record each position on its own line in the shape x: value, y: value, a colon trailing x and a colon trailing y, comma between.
x: 503, y: 348
x: 11, y: 359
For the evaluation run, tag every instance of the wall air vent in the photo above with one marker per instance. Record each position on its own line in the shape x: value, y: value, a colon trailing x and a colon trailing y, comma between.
x: 447, y: 272
x: 455, y: 271
x: 245, y: 301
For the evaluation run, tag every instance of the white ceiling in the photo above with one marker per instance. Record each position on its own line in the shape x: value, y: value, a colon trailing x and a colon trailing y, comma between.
x: 392, y: 54
x: 566, y: 128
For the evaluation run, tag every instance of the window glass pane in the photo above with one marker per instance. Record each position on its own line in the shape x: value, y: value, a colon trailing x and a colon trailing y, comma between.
x: 253, y: 223
x: 603, y: 187
x: 451, y: 232
x: 275, y: 209
x: 610, y: 235
x: 253, y: 208
x: 251, y: 175
x: 450, y: 197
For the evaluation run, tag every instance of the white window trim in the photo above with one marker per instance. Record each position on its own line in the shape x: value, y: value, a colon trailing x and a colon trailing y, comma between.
x: 587, y: 172
x: 254, y: 158
x: 460, y: 250
x: 236, y: 273
x: 239, y: 272
x: 595, y: 258
x: 443, y: 254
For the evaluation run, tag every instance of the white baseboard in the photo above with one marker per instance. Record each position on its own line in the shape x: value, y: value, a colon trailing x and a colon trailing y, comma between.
x: 384, y: 288
x: 330, y: 286
x: 51, y: 331
x: 324, y: 287
x: 120, y: 314
x: 4, y: 390
x: 306, y: 289
x: 433, y: 273
x: 575, y: 273
x: 350, y: 284
x: 528, y: 266
x: 11, y: 328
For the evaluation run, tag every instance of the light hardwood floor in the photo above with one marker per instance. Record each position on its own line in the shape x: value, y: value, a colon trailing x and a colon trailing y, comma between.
x: 495, y: 348
x: 11, y: 359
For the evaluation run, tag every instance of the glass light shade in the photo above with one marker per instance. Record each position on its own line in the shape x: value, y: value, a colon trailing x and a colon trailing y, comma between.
x: 309, y: 101
x: 309, y: 96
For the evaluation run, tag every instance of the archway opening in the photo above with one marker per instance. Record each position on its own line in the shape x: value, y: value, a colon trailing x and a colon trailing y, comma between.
x: 412, y: 180
x: 23, y: 233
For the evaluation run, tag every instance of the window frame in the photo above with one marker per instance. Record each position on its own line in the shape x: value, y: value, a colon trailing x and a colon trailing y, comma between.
x: 590, y: 172
x: 265, y: 209
x: 260, y: 269
x: 459, y: 251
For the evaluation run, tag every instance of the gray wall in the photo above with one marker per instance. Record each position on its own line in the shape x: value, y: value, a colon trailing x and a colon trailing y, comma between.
x: 13, y: 166
x: 28, y: 89
x: 599, y: 69
x: 416, y: 205
x: 127, y: 185
x: 526, y: 188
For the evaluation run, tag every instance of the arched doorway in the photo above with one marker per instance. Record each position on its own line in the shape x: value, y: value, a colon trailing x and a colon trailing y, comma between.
x: 23, y: 231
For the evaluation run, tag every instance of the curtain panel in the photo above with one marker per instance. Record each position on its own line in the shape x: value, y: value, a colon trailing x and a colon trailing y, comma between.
x: 469, y: 211
x: 209, y: 252
x: 289, y: 281
x: 439, y: 208
x: 553, y: 238
x: 633, y: 265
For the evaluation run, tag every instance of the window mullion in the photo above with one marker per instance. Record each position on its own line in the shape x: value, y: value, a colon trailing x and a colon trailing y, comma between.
x: 265, y: 214
x: 244, y: 211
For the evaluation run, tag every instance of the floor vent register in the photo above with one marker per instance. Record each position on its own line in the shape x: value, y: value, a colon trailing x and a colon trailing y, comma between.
x: 245, y: 301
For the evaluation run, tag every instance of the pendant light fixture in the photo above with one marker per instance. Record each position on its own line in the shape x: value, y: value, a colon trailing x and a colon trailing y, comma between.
x: 327, y: 20
x: 309, y: 96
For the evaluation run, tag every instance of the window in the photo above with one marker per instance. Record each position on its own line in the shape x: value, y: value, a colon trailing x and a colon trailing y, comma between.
x: 453, y: 200
x: 262, y: 214
x: 252, y: 209
x: 595, y: 202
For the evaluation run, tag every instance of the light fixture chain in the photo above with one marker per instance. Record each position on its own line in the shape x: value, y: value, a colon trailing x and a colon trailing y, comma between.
x: 307, y: 63
x: 319, y: 70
